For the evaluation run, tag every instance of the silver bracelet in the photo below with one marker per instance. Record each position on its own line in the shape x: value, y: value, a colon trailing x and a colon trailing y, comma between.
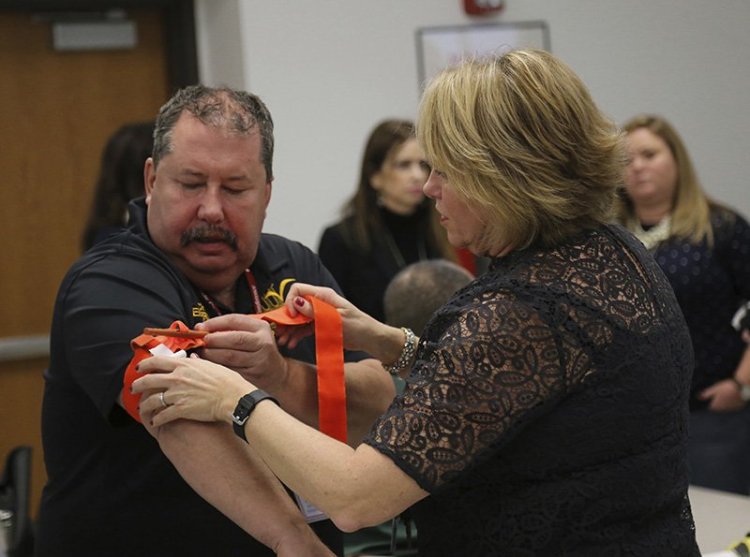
x: 407, y: 353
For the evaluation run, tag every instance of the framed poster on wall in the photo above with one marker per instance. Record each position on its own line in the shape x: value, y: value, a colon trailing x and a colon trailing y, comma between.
x: 439, y: 47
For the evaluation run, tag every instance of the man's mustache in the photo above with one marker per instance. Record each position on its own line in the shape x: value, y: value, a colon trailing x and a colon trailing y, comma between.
x: 209, y: 234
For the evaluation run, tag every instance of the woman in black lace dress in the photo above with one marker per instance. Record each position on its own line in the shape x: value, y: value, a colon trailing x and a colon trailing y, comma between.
x: 545, y: 408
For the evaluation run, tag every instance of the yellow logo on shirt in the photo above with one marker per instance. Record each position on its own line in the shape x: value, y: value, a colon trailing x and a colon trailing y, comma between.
x: 273, y: 298
x: 199, y: 310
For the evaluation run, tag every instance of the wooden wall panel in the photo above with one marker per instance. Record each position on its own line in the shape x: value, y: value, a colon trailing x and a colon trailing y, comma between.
x: 21, y: 389
x: 57, y: 110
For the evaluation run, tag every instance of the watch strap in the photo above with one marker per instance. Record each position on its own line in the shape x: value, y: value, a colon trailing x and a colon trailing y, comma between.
x: 245, y: 407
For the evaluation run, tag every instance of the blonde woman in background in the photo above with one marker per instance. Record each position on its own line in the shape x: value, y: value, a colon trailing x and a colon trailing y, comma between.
x: 704, y: 249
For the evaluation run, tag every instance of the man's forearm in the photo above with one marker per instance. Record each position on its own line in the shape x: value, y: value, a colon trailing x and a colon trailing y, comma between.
x: 227, y: 474
x: 369, y: 391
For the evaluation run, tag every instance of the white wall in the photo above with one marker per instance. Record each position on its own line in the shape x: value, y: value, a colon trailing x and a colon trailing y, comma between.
x: 221, y: 52
x: 330, y: 69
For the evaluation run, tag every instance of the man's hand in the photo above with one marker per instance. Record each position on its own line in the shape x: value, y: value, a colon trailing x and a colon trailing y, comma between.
x: 723, y: 396
x: 246, y: 345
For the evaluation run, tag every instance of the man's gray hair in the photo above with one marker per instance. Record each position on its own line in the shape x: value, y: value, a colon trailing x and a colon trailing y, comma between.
x: 235, y: 111
x: 421, y: 288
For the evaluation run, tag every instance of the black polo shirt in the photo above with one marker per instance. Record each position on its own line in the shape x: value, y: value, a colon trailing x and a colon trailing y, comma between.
x: 111, y: 491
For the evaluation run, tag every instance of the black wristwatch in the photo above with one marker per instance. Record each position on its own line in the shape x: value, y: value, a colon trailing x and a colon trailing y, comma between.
x: 244, y: 408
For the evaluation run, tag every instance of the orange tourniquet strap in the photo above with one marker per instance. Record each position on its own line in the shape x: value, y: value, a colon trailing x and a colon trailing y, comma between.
x: 141, y: 345
x: 329, y: 355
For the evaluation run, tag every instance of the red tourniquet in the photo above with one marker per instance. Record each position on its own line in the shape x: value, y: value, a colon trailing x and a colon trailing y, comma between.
x: 329, y: 354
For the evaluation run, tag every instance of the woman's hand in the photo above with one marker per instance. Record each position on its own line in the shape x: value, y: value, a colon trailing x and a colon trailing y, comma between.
x: 723, y: 396
x: 360, y: 330
x: 189, y: 388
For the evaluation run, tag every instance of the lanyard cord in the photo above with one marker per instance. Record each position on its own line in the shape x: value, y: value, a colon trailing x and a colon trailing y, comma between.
x: 396, y: 252
x: 251, y: 284
x: 250, y: 278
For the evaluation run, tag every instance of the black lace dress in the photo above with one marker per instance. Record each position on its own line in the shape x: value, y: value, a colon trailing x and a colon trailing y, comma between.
x: 546, y: 412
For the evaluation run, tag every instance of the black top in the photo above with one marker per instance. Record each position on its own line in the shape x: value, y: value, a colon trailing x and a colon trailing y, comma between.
x: 364, y: 276
x: 710, y: 285
x: 547, y: 408
x: 111, y: 491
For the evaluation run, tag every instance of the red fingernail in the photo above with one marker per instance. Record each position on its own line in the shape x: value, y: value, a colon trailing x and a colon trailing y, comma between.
x: 299, y: 302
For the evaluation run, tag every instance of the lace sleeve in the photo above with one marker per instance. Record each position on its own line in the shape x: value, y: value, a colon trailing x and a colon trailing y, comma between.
x: 482, y: 371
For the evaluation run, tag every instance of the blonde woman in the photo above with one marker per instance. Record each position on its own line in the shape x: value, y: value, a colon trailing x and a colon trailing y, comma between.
x: 704, y: 250
x: 545, y: 405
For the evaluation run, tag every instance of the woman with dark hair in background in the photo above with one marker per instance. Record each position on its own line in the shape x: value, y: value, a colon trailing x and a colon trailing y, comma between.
x: 120, y: 180
x: 388, y: 223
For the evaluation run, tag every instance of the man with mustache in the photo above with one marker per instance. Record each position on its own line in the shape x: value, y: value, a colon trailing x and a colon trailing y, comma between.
x: 194, y: 251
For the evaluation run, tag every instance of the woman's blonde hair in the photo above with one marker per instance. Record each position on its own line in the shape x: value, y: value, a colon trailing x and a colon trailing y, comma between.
x: 691, y: 208
x: 521, y: 140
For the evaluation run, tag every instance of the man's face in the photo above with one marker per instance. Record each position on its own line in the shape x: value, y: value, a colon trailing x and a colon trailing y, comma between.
x: 207, y: 202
